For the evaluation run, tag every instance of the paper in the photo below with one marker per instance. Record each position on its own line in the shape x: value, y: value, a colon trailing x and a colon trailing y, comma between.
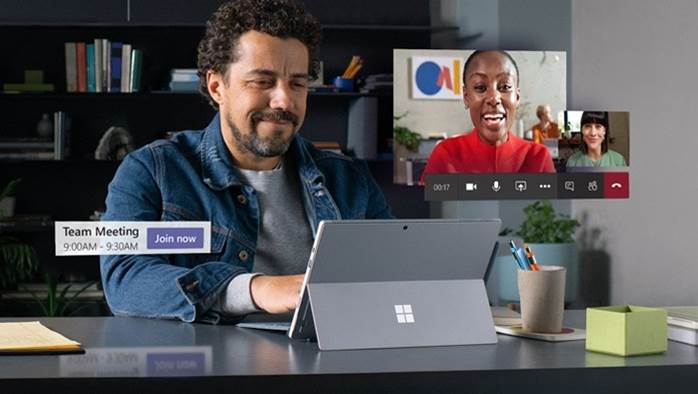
x: 32, y: 336
x: 505, y: 317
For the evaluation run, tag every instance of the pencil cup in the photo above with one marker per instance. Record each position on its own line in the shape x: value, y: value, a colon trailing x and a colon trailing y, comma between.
x: 542, y: 295
x: 344, y: 84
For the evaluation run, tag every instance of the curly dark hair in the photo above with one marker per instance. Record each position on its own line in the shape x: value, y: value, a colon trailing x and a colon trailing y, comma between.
x: 278, y: 18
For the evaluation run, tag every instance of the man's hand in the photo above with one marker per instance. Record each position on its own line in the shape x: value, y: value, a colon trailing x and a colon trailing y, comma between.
x: 276, y: 294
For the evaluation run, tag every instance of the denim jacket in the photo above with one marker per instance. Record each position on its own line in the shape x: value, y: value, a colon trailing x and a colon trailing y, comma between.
x: 190, y: 177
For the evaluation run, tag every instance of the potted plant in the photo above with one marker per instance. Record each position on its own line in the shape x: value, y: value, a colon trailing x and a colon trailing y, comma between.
x: 57, y: 303
x: 404, y: 136
x: 550, y: 236
x: 7, y: 198
x: 18, y: 260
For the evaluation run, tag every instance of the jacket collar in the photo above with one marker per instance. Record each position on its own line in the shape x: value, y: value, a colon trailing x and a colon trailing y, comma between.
x: 217, y: 166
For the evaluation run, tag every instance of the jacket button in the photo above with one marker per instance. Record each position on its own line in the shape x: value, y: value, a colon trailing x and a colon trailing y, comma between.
x: 242, y: 199
x: 243, y: 255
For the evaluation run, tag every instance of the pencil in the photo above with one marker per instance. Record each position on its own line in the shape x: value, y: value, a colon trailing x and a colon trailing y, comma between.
x: 531, y: 258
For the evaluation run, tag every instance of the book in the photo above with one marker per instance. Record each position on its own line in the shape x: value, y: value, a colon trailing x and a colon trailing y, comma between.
x: 71, y: 72
x: 32, y: 337
x: 60, y: 135
x: 184, y: 86
x: 136, y: 70
x: 47, y: 155
x: 90, y: 67
x: 184, y: 71
x: 25, y: 143
x: 331, y: 146
x: 682, y: 334
x: 106, y: 65
x: 126, y: 67
x: 180, y: 77
x: 116, y: 50
x: 98, y: 64
x: 28, y: 87
x: 81, y: 61
x: 683, y: 316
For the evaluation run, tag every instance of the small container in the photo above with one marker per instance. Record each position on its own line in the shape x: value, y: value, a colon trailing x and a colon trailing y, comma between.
x: 344, y: 84
x: 542, y: 295
x: 626, y: 330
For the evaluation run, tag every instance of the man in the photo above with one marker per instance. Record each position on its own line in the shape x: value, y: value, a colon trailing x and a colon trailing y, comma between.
x: 491, y: 94
x: 263, y: 188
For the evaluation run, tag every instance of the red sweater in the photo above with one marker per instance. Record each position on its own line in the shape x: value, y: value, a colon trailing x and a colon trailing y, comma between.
x: 468, y: 154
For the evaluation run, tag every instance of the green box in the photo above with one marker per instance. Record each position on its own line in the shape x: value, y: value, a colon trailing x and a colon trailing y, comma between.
x: 626, y: 330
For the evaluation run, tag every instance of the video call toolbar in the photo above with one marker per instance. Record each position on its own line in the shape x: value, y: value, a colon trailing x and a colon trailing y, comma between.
x: 455, y: 187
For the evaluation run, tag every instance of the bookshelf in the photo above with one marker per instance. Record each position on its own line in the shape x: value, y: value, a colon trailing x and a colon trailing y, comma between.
x: 168, y: 33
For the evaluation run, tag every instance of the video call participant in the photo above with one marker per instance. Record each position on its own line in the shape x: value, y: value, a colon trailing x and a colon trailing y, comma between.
x: 263, y: 187
x: 594, y: 150
x: 546, y: 128
x: 491, y: 93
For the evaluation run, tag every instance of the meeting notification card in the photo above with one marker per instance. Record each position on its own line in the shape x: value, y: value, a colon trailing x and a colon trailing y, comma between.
x: 114, y: 238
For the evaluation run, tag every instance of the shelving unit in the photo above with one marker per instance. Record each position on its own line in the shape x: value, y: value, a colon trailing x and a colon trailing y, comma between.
x: 32, y: 36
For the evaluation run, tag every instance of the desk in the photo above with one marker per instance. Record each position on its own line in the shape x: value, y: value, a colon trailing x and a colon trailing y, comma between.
x: 130, y: 355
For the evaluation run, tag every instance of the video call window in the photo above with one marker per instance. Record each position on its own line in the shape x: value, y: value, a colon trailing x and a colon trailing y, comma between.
x: 481, y: 125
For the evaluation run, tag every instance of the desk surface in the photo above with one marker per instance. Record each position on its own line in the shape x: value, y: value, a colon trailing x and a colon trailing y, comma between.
x: 144, y: 355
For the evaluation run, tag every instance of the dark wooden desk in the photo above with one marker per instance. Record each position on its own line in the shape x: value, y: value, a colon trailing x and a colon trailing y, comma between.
x: 130, y: 355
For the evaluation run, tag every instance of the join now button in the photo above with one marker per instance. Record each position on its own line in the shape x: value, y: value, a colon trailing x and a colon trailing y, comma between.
x: 175, y: 238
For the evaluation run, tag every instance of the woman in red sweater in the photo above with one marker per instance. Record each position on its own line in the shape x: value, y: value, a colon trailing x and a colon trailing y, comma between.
x: 491, y: 94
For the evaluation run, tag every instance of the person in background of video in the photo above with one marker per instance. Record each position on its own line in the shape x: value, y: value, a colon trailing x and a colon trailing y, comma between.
x: 546, y: 128
x: 594, y: 150
x: 491, y: 93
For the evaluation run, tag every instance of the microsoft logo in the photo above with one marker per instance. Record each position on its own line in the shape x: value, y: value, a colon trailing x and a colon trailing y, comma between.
x: 404, y: 313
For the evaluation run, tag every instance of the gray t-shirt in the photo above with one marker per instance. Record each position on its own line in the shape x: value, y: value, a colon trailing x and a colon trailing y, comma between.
x: 285, y: 238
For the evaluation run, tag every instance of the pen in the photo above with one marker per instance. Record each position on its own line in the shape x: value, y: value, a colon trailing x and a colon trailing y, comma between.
x: 514, y: 251
x: 531, y: 258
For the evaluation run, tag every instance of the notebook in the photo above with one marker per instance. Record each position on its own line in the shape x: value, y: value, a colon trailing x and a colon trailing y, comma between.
x: 33, y: 338
x: 683, y: 316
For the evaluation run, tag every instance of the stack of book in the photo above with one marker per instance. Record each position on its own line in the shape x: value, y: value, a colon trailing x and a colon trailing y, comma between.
x: 102, y: 66
x: 21, y: 148
x: 682, y: 324
x: 184, y: 80
x: 378, y: 83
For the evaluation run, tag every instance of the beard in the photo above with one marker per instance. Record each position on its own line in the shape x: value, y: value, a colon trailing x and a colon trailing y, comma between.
x: 273, y: 146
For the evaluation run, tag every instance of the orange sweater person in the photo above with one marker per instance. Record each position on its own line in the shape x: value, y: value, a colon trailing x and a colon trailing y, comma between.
x: 546, y: 128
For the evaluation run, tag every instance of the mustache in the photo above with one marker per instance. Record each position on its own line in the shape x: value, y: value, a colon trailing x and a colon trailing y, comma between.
x: 275, y: 116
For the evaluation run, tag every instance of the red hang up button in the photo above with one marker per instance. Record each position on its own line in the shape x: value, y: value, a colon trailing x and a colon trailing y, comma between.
x: 616, y: 185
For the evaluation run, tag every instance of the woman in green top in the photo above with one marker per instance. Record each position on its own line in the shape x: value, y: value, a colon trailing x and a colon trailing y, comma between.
x: 594, y: 150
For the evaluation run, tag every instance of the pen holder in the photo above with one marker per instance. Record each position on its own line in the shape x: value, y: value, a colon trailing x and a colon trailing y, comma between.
x: 344, y: 84
x: 626, y: 330
x: 542, y: 296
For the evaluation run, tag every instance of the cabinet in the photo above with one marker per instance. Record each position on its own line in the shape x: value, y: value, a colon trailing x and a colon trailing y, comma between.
x: 32, y: 36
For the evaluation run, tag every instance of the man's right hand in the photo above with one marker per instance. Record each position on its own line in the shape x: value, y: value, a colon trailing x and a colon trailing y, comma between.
x: 276, y: 294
